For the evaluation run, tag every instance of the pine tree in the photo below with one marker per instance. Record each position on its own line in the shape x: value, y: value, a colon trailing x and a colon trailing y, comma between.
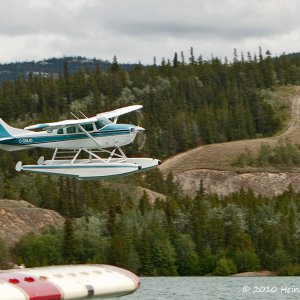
x: 175, y: 60
x: 69, y: 242
x: 115, y: 65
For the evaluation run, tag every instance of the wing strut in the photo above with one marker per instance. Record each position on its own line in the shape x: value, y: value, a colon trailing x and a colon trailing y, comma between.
x: 90, y: 136
x: 83, y: 114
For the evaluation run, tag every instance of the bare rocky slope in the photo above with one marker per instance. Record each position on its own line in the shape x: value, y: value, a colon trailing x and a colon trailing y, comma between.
x: 135, y: 192
x: 211, y: 164
x: 18, y: 218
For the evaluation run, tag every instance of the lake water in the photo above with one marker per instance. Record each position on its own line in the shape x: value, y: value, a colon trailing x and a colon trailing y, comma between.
x: 217, y: 288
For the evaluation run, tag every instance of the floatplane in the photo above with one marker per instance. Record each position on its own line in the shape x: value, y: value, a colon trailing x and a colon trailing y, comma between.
x: 78, y: 145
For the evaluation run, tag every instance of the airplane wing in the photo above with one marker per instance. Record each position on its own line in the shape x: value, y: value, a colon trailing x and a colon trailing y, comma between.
x: 108, y: 115
x: 61, y: 124
x: 119, y: 111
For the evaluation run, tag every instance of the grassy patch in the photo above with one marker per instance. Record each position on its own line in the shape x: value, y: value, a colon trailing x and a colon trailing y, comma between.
x: 282, y: 155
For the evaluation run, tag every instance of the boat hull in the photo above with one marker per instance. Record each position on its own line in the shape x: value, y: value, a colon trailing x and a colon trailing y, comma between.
x: 67, y: 282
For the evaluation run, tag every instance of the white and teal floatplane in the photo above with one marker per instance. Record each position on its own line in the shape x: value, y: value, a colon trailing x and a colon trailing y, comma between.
x: 78, y: 144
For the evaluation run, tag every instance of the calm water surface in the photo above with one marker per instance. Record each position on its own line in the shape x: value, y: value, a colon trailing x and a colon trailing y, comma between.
x: 217, y: 288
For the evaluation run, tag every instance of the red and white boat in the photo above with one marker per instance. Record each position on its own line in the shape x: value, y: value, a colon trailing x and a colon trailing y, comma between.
x: 67, y: 282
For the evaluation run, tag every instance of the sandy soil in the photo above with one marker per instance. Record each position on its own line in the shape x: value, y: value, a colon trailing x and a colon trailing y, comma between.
x: 257, y: 273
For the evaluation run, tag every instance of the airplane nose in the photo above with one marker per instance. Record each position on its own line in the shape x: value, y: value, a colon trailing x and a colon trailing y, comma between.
x: 139, y: 129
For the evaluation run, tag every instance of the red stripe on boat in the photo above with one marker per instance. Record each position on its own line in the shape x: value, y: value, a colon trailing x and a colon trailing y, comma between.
x: 36, y: 288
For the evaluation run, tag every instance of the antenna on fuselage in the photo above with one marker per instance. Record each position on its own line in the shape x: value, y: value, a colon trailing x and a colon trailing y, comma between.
x: 73, y: 115
x: 83, y: 114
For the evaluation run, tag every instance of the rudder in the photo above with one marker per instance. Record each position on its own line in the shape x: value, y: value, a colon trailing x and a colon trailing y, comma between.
x: 3, y: 130
x: 7, y: 131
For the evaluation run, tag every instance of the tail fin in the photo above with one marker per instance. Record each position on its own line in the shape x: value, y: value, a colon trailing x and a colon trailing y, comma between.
x: 8, y: 132
x: 4, y: 133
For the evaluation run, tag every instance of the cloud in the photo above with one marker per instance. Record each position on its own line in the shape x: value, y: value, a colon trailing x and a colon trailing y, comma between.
x: 137, y: 30
x: 215, y: 18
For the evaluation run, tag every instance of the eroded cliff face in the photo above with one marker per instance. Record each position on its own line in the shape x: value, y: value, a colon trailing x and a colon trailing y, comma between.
x: 18, y: 218
x: 226, y: 182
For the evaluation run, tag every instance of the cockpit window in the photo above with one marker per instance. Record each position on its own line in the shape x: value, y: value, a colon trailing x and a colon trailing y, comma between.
x: 102, y: 122
x: 60, y: 131
x: 98, y: 125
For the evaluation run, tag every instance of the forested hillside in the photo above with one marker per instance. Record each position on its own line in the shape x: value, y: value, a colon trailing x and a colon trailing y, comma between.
x: 179, y: 236
x: 187, y: 102
x: 11, y: 71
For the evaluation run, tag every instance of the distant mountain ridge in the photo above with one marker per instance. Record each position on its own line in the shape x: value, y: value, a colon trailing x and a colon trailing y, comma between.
x: 11, y: 71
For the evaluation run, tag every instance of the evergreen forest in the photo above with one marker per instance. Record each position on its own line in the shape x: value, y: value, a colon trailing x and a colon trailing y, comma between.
x: 204, y: 235
x: 187, y: 102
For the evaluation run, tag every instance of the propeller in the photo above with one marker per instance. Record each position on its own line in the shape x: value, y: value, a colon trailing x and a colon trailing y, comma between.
x: 141, y: 136
x: 141, y: 139
x: 139, y: 117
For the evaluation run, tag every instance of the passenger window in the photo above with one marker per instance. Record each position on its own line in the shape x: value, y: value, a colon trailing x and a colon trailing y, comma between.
x: 71, y: 130
x: 88, y: 127
x: 60, y: 131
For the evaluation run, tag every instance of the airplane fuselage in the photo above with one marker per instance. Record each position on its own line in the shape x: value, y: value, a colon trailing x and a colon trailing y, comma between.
x: 112, y: 135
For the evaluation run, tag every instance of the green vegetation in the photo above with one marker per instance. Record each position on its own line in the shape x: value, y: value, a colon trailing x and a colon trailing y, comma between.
x: 206, y: 235
x: 4, y: 254
x: 185, y: 105
x: 283, y: 155
x: 225, y: 266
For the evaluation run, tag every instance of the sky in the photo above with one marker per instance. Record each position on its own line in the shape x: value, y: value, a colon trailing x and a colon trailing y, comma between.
x: 139, y: 30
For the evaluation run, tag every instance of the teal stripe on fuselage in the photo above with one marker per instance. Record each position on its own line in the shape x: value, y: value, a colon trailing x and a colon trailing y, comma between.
x: 31, y: 140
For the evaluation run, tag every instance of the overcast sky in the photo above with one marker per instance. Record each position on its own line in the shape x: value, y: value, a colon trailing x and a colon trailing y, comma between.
x: 138, y: 30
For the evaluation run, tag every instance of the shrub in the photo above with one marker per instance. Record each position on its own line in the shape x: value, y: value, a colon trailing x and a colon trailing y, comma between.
x: 225, y: 266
